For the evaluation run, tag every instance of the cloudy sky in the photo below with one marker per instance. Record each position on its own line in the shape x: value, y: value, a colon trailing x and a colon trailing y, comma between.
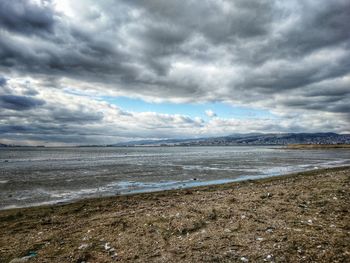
x: 87, y: 72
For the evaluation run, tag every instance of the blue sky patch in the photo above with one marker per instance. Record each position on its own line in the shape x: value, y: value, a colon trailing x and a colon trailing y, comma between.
x: 222, y: 110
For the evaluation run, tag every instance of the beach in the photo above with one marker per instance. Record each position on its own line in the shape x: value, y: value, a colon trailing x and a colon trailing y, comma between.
x: 302, y: 217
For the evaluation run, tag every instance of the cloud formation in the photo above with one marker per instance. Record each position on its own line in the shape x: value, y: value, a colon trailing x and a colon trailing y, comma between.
x: 210, y: 113
x: 58, y: 58
x: 19, y: 103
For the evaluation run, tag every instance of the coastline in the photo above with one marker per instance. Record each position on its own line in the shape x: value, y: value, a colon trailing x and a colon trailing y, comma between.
x: 297, y: 217
x: 317, y: 146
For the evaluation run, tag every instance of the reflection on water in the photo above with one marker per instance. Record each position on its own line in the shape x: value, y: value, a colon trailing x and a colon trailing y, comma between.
x: 31, y: 176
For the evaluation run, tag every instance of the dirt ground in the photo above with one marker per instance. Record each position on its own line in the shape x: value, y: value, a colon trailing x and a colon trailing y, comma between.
x: 297, y: 218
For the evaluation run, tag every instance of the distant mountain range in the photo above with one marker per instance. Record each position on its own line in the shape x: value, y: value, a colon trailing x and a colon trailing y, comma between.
x: 249, y: 139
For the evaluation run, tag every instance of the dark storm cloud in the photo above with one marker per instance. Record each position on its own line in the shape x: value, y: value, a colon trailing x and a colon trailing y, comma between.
x: 25, y: 17
x: 161, y: 35
x: 19, y: 103
x: 163, y: 31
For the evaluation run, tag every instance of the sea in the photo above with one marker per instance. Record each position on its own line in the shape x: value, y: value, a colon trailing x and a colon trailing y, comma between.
x: 38, y: 175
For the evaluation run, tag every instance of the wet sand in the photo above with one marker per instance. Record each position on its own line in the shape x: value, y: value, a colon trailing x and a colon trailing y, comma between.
x: 301, y: 217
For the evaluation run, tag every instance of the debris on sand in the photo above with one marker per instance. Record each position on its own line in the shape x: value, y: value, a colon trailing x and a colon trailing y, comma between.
x: 107, y: 246
x: 30, y: 255
x: 83, y: 246
x: 20, y: 260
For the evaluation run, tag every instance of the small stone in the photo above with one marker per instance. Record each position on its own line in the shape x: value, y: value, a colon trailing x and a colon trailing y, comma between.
x: 244, y: 259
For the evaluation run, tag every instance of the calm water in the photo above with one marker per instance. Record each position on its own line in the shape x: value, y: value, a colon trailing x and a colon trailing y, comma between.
x: 32, y: 176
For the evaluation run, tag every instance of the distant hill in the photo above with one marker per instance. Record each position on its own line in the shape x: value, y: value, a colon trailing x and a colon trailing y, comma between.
x: 249, y: 139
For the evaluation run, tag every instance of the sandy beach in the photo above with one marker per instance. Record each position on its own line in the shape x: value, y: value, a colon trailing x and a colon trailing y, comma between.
x: 301, y: 217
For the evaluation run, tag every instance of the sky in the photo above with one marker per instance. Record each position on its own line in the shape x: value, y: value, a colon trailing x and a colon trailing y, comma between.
x: 108, y: 71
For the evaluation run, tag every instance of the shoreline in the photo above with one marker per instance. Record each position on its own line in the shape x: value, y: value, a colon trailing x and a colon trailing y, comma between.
x: 317, y: 146
x: 224, y: 223
x: 193, y: 185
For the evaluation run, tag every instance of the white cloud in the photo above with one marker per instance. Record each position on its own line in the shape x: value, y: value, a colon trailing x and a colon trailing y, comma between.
x: 210, y: 113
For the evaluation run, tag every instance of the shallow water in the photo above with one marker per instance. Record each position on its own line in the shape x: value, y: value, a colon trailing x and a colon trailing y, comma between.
x: 32, y: 176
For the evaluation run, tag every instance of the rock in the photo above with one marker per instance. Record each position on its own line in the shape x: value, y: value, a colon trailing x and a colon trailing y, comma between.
x: 244, y: 259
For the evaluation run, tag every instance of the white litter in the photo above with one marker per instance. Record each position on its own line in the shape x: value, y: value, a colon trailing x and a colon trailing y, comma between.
x: 107, y: 246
